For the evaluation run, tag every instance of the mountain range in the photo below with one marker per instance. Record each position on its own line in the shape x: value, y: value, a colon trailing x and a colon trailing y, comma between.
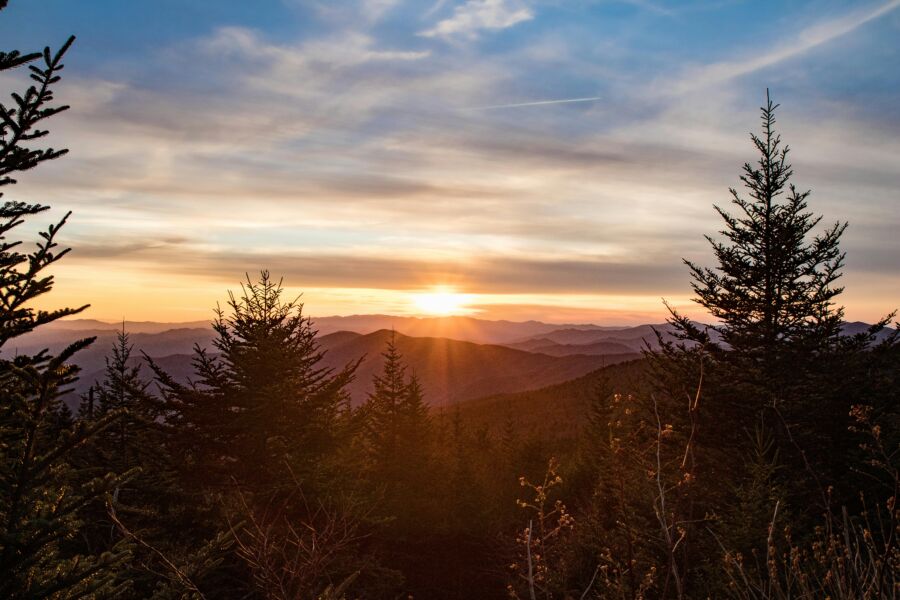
x: 452, y: 371
x: 455, y: 358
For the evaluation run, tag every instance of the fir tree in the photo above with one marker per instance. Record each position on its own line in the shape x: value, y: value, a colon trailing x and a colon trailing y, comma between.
x: 415, y: 423
x: 262, y: 411
x: 383, y: 407
x: 776, y: 351
x: 773, y: 290
x: 773, y: 294
x: 151, y: 508
x: 124, y: 391
x: 397, y: 419
x: 41, y: 493
x: 397, y: 441
x: 260, y: 428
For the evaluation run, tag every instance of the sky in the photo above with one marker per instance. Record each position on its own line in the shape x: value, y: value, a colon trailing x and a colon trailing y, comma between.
x: 519, y: 159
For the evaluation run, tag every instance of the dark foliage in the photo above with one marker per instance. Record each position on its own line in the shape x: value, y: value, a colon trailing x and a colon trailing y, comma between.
x: 261, y: 402
x: 41, y: 492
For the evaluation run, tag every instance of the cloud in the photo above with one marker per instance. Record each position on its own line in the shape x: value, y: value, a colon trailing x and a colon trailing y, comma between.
x: 435, y: 8
x: 94, y: 248
x: 469, y: 19
x: 350, y: 48
x: 347, y: 13
x: 806, y: 39
x: 652, y: 7
x: 346, y: 158
x: 376, y: 9
x: 380, y: 268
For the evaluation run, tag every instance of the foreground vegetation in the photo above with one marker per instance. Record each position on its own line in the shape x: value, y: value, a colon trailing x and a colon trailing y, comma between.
x: 754, y: 459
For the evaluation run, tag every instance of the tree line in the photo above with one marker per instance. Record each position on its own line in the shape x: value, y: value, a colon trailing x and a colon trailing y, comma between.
x: 754, y: 458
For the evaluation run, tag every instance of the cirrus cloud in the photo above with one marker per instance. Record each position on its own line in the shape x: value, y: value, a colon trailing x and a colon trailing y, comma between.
x: 476, y: 15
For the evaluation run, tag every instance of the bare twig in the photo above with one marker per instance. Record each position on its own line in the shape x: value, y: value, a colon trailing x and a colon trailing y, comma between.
x: 530, y: 565
x: 180, y: 575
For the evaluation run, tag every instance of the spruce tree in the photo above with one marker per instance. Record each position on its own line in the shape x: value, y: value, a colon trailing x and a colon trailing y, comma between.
x: 397, y: 441
x: 262, y: 411
x: 259, y: 428
x: 414, y: 447
x: 773, y: 289
x: 397, y: 419
x: 383, y: 407
x: 413, y: 411
x: 123, y: 390
x: 41, y: 494
x: 176, y: 552
x: 776, y: 354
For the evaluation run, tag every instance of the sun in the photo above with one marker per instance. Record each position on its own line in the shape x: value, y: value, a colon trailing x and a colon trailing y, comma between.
x: 441, y: 302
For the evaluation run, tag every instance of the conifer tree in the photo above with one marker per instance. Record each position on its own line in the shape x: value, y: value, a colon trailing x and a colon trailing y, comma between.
x: 397, y: 441
x: 124, y: 391
x: 774, y: 287
x: 41, y: 493
x: 416, y: 436
x: 259, y: 428
x: 384, y: 404
x: 262, y: 411
x: 398, y: 423
x: 151, y: 508
x: 776, y: 354
x: 414, y: 415
x: 773, y: 293
x: 132, y: 444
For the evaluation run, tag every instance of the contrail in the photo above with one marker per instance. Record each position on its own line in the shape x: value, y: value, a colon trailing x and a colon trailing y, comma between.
x: 538, y: 103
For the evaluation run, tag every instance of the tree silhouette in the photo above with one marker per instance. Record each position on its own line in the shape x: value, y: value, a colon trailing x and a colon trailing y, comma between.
x: 776, y: 358
x: 773, y: 289
x: 39, y: 498
x: 383, y: 406
x: 261, y: 410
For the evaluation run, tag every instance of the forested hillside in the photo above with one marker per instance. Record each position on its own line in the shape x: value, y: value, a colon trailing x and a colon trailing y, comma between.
x: 559, y: 411
x: 454, y: 371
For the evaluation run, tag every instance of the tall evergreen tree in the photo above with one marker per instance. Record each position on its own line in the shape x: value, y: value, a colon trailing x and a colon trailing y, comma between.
x: 151, y: 508
x: 383, y: 407
x: 123, y: 390
x: 262, y: 410
x: 776, y: 351
x: 41, y: 493
x: 397, y: 442
x: 415, y: 423
x: 397, y: 419
x: 774, y: 287
x: 260, y: 429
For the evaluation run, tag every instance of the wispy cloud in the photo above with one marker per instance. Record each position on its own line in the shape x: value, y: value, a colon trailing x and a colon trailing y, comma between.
x: 653, y: 7
x: 347, y: 13
x: 345, y: 49
x: 488, y: 274
x: 469, y: 19
x: 376, y: 9
x: 806, y: 39
x: 435, y: 8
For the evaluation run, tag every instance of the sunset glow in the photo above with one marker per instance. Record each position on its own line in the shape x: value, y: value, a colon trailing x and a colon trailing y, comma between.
x: 442, y: 302
x: 386, y: 146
